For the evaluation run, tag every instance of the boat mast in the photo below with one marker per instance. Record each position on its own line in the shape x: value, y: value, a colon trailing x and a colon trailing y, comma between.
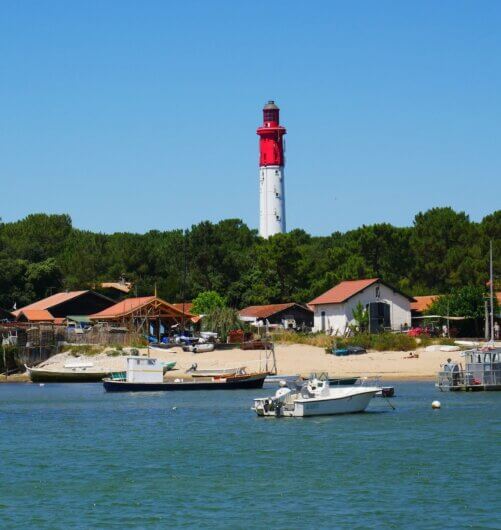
x: 491, y: 273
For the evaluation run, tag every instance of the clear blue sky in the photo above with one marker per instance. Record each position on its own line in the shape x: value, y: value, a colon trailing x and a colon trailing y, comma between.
x: 134, y: 115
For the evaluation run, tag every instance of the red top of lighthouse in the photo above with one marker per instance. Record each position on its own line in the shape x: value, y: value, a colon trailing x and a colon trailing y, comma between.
x: 271, y: 150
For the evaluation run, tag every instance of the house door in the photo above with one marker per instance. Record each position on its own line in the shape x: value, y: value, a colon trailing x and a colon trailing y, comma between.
x: 322, y: 320
x: 379, y: 316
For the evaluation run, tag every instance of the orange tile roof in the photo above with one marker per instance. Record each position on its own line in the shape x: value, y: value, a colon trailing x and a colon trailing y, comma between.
x: 265, y: 311
x: 36, y: 315
x: 423, y: 302
x: 343, y: 291
x: 187, y: 306
x: 51, y: 301
x: 129, y: 305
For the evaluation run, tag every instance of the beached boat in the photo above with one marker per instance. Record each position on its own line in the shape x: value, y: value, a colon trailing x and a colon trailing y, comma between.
x: 160, y: 346
x: 315, y: 398
x: 201, y: 347
x: 146, y: 375
x: 214, y: 372
x: 274, y: 380
x: 481, y: 371
x: 67, y: 375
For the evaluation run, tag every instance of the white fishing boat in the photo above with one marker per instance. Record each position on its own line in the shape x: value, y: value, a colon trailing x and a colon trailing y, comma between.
x: 201, y: 347
x: 315, y: 398
x: 214, y: 372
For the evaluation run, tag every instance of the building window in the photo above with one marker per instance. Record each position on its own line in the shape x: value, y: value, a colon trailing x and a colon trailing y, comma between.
x: 322, y: 320
x: 377, y: 291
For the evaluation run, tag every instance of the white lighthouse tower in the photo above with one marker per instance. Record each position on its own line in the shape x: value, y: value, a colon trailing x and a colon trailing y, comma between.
x: 271, y: 173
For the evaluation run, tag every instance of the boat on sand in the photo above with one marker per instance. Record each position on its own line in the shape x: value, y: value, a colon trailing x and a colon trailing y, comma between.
x: 214, y: 372
x: 67, y: 375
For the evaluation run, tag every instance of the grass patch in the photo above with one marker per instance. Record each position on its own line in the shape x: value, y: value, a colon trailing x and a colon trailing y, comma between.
x: 311, y: 339
x: 77, y: 350
x: 376, y: 341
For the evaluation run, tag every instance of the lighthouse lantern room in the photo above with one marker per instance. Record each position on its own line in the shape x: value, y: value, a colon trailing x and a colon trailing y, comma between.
x: 271, y: 173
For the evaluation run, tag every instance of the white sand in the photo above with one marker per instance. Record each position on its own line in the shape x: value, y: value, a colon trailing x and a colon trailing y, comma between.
x: 291, y: 359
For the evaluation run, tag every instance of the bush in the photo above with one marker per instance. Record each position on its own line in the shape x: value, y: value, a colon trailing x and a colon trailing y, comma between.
x: 10, y: 358
x: 311, y: 339
x: 81, y: 349
x: 377, y: 341
x: 113, y: 353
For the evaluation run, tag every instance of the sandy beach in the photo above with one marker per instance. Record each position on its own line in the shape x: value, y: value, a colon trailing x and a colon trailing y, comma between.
x: 291, y: 359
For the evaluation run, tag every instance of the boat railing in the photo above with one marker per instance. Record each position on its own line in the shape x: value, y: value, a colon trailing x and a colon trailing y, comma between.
x: 468, y: 379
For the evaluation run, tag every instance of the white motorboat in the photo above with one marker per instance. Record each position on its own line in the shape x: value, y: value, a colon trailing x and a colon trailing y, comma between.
x: 315, y: 398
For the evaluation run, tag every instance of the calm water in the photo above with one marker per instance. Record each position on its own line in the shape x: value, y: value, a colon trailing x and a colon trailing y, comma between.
x: 72, y: 456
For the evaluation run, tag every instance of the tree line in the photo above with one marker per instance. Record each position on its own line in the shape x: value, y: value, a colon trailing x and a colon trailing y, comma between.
x: 442, y: 250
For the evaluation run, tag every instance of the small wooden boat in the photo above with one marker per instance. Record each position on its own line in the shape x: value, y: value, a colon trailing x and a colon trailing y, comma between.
x: 167, y: 366
x: 343, y: 381
x: 233, y: 382
x: 215, y: 372
x: 201, y: 347
x: 257, y: 344
x: 66, y: 375
x: 163, y: 347
x: 274, y: 380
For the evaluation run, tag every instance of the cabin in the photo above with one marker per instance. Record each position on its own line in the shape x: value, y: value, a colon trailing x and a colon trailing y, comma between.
x: 289, y: 316
x: 57, y: 307
x: 149, y: 315
x: 387, y: 307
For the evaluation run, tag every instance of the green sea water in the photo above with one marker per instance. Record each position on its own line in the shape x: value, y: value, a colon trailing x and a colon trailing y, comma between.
x: 72, y: 456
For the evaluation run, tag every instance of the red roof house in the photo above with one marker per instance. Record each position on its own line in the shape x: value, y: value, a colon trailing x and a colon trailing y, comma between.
x: 387, y: 307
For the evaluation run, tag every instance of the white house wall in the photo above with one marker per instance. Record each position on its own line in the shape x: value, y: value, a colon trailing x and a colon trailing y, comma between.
x: 338, y: 316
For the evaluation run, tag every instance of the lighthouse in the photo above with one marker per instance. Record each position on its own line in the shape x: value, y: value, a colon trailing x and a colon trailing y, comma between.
x: 271, y: 173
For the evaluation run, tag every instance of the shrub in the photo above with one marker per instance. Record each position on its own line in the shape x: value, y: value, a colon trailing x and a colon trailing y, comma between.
x: 10, y: 358
x: 377, y: 341
x: 81, y: 349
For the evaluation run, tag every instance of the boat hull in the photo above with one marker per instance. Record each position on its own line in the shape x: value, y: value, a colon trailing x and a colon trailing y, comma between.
x: 330, y: 406
x: 228, y: 384
x: 47, y: 376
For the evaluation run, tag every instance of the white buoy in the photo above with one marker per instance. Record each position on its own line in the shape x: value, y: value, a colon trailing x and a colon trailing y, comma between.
x: 41, y: 384
x: 436, y: 405
x: 174, y: 408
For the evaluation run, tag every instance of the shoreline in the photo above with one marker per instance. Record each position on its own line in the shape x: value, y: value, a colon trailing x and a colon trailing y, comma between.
x: 291, y: 359
x: 23, y: 379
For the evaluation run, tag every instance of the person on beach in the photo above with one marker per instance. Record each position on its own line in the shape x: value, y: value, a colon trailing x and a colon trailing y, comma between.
x: 496, y: 330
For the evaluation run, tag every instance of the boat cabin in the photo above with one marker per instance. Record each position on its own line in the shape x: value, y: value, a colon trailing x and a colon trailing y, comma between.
x: 144, y: 370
